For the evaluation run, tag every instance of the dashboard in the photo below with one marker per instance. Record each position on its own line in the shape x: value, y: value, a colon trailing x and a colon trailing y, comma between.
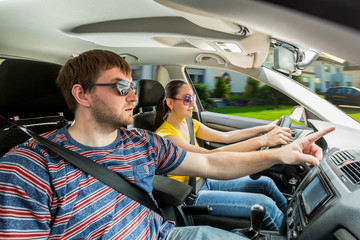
x: 325, y: 205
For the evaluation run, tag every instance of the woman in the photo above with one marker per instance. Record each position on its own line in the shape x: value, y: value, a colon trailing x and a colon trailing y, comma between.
x: 231, y: 198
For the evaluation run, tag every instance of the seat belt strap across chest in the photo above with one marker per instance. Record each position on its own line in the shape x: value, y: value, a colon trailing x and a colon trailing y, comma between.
x: 196, y: 185
x: 96, y: 170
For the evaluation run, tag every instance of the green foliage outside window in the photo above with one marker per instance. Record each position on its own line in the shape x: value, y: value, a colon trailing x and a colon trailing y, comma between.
x: 251, y: 88
x: 221, y: 89
x: 265, y: 95
x: 204, y: 95
x: 202, y: 91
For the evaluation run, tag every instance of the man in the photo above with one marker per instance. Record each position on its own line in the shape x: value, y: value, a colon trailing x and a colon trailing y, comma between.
x: 43, y: 196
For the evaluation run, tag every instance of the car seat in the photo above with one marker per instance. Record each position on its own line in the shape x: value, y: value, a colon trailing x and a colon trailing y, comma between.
x: 29, y: 97
x: 148, y: 93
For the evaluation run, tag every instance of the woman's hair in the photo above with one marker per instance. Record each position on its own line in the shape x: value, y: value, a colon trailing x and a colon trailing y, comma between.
x: 85, y: 69
x: 162, y: 109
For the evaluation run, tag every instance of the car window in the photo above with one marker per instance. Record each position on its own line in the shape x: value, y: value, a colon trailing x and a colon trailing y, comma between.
x: 336, y: 90
x: 331, y: 91
x: 228, y: 92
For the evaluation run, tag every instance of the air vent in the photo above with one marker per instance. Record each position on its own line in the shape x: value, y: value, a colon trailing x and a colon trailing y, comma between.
x: 352, y: 171
x: 341, y: 157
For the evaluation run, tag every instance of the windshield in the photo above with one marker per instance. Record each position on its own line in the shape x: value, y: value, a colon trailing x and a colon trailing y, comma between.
x: 336, y: 80
x: 229, y: 92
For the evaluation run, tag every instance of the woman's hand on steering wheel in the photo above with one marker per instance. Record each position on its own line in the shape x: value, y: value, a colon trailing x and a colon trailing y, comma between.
x: 279, y: 135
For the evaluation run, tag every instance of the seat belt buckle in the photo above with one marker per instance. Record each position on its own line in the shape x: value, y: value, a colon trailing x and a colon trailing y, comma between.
x: 190, y: 199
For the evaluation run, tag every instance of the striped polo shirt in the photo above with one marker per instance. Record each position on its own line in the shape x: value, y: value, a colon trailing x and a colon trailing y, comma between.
x: 43, y: 196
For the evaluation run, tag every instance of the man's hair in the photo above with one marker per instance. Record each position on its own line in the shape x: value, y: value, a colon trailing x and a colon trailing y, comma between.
x: 85, y: 69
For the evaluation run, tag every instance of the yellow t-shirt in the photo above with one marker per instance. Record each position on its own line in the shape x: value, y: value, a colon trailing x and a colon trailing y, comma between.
x: 166, y: 129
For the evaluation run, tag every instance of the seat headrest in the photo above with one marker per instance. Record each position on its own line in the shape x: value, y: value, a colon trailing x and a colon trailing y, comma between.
x: 28, y: 87
x: 149, y: 92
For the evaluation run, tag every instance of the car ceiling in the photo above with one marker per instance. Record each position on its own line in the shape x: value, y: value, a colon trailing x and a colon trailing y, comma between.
x: 163, y: 31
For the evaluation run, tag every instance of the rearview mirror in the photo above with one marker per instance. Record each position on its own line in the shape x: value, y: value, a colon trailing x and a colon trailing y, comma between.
x: 291, y: 60
x: 284, y: 60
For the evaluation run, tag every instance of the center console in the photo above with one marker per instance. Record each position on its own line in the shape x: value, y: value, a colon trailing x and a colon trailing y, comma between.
x: 313, y: 196
x: 325, y: 205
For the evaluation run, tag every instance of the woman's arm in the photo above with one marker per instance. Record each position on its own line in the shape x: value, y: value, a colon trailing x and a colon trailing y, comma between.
x: 209, y: 134
x: 275, y: 135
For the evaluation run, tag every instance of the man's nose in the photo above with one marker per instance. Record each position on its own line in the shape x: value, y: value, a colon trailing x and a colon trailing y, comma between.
x: 131, y: 96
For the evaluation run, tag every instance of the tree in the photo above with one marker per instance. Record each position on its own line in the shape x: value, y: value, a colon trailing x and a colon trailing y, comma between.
x: 299, y: 79
x: 202, y: 91
x: 221, y: 89
x: 251, y: 87
x: 268, y: 95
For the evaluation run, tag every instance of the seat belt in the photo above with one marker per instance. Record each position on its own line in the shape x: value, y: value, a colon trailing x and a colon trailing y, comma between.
x: 96, y: 170
x: 196, y: 185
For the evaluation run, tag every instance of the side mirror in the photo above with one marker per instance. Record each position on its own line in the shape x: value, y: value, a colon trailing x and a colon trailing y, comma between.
x: 298, y: 114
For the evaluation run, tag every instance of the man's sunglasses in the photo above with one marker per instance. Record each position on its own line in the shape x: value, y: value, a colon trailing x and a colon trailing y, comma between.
x: 122, y: 86
x: 187, y: 99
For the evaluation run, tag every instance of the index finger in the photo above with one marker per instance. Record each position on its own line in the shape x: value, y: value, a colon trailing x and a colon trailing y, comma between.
x: 317, y: 135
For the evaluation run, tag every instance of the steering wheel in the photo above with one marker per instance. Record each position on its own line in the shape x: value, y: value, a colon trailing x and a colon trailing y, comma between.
x: 284, y: 121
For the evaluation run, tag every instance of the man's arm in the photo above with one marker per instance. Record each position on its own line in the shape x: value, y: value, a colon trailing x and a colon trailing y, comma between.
x: 25, y: 194
x: 229, y: 165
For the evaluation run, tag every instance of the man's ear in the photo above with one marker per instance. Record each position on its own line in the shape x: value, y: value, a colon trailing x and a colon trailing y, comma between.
x: 79, y: 95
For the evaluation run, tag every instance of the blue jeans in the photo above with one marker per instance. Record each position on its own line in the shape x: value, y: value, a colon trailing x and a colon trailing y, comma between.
x: 234, y: 198
x: 201, y: 233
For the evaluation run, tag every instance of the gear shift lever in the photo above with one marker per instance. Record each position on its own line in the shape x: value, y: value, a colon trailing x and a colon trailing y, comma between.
x: 257, y: 215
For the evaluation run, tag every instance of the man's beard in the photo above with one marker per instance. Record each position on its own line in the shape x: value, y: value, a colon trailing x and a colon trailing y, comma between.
x: 106, y: 116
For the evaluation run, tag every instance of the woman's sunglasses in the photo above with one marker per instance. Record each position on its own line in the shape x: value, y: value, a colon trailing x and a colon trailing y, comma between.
x: 187, y: 99
x: 122, y: 86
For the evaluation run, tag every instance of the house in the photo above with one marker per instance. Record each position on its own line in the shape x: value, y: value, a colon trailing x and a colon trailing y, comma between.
x: 354, y: 71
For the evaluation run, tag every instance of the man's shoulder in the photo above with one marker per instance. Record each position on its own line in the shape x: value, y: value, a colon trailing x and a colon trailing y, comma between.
x: 139, y: 132
x: 33, y: 145
x: 142, y: 135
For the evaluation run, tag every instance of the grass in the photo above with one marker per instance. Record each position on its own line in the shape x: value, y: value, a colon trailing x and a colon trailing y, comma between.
x: 259, y: 112
x: 270, y: 113
x: 354, y: 113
